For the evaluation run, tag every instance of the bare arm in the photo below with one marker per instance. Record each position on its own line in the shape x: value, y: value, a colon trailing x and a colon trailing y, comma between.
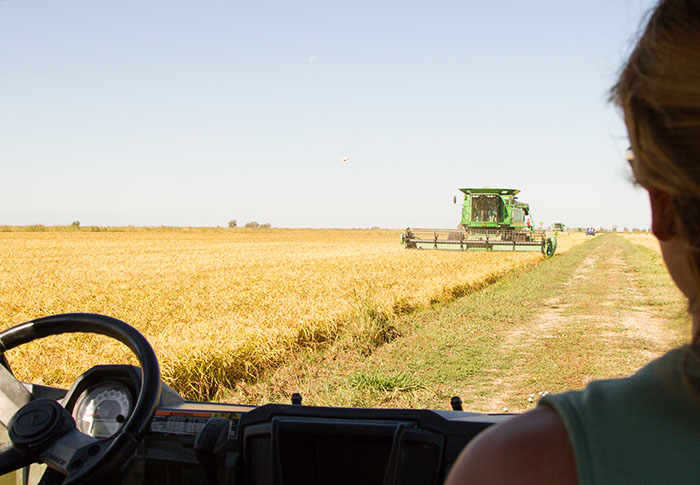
x: 531, y: 448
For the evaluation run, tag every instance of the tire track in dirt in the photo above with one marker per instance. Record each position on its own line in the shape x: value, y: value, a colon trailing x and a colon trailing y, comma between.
x: 599, y: 298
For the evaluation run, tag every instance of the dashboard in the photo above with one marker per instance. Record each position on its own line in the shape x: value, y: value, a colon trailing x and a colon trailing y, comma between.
x: 204, y: 442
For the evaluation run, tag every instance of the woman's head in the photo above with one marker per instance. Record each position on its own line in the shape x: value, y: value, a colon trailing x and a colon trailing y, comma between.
x: 659, y: 93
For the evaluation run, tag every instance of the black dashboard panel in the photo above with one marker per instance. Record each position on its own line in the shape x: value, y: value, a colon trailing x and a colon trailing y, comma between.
x: 315, y: 451
x: 286, y: 444
x: 204, y: 442
x: 294, y: 445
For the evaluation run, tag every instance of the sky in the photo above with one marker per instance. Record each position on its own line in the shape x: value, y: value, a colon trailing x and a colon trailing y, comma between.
x: 195, y: 113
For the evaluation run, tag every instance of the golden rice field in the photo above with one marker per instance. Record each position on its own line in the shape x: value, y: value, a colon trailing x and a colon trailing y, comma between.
x: 220, y: 306
x: 645, y: 239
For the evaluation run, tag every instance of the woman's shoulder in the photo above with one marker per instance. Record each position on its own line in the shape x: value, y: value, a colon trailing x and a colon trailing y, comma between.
x: 529, y: 448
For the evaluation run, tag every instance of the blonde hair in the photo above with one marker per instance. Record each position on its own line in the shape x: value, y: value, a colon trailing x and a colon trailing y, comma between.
x: 659, y: 93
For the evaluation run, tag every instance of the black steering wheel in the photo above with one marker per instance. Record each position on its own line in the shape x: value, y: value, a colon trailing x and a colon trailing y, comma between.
x: 41, y: 430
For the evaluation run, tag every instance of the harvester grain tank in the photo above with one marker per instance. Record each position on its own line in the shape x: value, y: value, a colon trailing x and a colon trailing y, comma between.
x: 492, y: 220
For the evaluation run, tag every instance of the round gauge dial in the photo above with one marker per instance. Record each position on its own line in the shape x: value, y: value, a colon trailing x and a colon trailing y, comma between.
x: 103, y: 409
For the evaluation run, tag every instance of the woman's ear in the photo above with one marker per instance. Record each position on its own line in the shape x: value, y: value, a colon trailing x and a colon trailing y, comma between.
x: 662, y: 216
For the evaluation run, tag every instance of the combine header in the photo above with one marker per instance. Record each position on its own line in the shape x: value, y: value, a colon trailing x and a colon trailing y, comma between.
x: 492, y: 220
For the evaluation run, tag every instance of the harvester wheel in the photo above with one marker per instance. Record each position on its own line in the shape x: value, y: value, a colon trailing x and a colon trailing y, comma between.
x: 550, y: 246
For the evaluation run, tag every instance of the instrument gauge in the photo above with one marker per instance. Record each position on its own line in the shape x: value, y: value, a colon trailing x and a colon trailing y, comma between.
x: 102, y: 410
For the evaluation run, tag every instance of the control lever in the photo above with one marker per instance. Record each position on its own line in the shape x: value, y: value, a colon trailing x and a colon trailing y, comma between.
x: 392, y: 467
x: 210, y: 447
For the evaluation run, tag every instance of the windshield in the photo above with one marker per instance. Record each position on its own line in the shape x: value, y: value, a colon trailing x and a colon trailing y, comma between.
x: 486, y: 209
x: 236, y: 179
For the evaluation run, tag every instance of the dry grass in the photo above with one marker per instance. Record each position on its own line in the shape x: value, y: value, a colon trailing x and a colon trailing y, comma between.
x: 224, y: 305
x: 568, y: 240
x: 645, y: 239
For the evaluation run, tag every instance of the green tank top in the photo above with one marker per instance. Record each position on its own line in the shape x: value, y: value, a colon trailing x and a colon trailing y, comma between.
x: 641, y: 429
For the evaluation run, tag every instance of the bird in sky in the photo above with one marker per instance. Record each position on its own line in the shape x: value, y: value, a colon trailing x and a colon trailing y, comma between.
x: 344, y: 159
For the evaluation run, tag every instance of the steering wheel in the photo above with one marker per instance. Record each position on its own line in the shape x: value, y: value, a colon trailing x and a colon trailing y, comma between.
x: 41, y: 430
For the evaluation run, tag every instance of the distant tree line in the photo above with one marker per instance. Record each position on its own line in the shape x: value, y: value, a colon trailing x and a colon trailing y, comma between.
x: 253, y: 224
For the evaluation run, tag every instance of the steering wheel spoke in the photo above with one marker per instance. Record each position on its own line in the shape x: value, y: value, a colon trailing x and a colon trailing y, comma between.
x: 72, y: 451
x: 13, y: 395
x: 12, y: 459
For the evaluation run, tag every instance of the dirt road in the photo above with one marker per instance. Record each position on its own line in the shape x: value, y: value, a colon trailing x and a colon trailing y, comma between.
x: 602, y: 324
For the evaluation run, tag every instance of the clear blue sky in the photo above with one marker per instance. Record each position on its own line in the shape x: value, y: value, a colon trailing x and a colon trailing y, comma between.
x: 196, y: 112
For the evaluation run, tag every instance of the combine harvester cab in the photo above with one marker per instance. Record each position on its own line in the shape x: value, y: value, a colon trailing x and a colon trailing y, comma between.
x: 492, y: 220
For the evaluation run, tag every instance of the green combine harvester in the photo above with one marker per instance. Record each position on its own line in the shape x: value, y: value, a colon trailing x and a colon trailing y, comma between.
x: 492, y: 220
